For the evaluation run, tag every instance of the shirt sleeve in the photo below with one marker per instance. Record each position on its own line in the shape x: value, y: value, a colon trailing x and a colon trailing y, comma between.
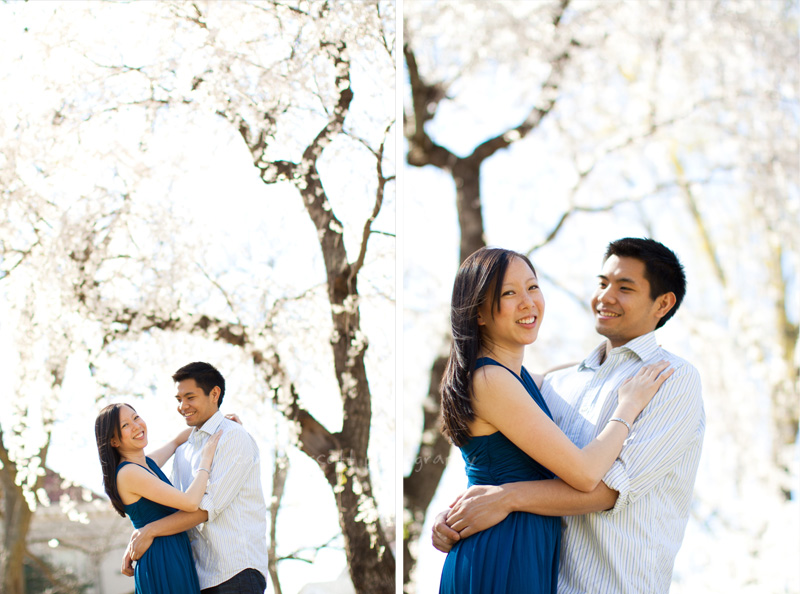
x: 234, y: 460
x: 669, y: 428
x: 177, y: 461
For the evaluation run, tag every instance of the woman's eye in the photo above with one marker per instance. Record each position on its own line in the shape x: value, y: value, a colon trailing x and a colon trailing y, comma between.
x: 533, y: 287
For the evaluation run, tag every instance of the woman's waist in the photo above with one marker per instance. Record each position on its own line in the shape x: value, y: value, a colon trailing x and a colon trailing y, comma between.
x: 519, y: 527
x: 480, y: 476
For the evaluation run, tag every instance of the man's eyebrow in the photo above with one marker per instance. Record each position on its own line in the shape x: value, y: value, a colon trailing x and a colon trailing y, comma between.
x: 623, y: 279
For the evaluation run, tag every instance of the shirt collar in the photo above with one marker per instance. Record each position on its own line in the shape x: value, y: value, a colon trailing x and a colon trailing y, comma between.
x: 644, y: 347
x: 211, y: 425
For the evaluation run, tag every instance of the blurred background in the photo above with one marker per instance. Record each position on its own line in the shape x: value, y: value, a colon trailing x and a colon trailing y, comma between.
x: 187, y: 181
x: 554, y: 127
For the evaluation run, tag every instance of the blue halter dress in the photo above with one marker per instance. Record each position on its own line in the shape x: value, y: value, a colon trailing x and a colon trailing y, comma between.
x: 520, y: 554
x: 167, y: 567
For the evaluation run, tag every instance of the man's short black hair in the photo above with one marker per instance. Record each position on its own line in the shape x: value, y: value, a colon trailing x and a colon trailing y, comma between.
x: 205, y: 376
x: 662, y: 269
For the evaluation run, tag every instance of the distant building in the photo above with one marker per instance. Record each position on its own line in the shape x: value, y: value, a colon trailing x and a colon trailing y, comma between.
x: 79, y: 535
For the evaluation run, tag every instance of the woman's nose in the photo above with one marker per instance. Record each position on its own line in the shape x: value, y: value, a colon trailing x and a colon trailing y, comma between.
x: 527, y: 300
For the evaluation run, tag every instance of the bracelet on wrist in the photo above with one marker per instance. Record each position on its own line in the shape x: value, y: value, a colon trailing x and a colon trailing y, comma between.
x: 623, y: 421
x: 206, y: 469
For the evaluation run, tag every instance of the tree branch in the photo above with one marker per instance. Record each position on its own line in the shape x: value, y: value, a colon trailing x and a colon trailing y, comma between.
x: 382, y: 181
x: 425, y: 98
x: 548, y: 100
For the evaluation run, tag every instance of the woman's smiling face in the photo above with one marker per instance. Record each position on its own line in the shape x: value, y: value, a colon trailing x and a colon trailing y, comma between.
x: 521, y: 308
x: 132, y: 431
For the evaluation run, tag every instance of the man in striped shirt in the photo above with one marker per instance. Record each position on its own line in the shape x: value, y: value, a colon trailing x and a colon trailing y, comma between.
x: 228, y: 532
x: 621, y: 538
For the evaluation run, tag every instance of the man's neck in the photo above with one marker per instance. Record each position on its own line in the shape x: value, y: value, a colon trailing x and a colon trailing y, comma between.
x: 609, y: 346
x: 200, y: 426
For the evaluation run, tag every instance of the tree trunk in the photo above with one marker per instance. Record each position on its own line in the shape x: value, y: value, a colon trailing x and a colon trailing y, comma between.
x: 371, y: 562
x: 420, y: 486
x: 16, y: 523
x: 17, y: 518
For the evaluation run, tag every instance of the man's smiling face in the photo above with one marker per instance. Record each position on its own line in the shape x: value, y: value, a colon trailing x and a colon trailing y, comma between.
x: 194, y: 405
x: 621, y: 304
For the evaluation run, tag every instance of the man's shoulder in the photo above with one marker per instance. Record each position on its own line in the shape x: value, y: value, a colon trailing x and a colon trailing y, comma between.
x: 234, y: 432
x: 685, y: 382
x: 681, y: 365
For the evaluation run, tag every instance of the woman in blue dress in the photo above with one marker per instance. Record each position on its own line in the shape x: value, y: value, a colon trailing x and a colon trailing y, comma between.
x: 493, y: 411
x: 137, y: 487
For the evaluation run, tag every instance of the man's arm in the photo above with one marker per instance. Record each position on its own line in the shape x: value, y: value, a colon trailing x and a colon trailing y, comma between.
x: 667, y: 435
x: 669, y: 426
x: 236, y: 457
x: 142, y: 538
x: 483, y: 506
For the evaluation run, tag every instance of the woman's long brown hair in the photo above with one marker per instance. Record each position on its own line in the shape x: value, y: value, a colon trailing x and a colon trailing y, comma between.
x: 480, y: 272
x: 106, y: 427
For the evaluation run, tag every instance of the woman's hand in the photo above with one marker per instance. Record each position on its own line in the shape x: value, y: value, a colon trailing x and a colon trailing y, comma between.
x: 636, y: 392
x: 210, y: 447
x: 234, y: 417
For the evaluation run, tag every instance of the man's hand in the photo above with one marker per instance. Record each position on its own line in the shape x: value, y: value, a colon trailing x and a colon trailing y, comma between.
x: 140, y: 541
x: 127, y: 562
x: 478, y: 508
x: 443, y: 537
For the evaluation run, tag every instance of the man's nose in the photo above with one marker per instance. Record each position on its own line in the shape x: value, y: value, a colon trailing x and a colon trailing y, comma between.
x: 605, y: 294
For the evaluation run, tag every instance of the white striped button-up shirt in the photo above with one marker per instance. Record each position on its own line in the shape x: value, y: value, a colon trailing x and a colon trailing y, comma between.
x: 235, y: 536
x: 631, y: 548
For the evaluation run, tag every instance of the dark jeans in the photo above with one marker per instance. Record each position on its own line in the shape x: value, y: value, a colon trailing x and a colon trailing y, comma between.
x: 248, y: 581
